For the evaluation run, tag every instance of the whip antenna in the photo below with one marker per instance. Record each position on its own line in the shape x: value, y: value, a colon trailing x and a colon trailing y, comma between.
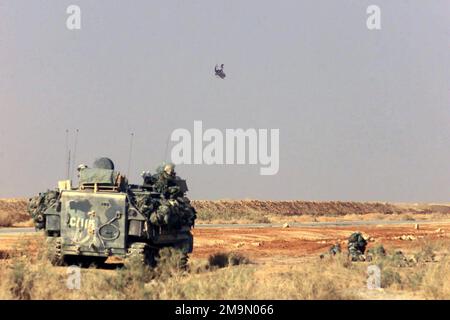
x: 74, y: 152
x: 67, y: 154
x: 68, y: 166
x: 167, y: 147
x: 129, y: 154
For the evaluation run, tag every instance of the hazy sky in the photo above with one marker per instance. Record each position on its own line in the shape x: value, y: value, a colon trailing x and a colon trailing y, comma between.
x: 363, y: 115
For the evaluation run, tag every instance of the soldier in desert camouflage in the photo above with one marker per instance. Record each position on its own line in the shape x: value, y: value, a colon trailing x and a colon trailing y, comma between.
x: 357, y: 246
x: 166, y: 181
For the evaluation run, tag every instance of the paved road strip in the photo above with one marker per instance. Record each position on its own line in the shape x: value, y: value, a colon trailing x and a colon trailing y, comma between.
x: 6, y: 231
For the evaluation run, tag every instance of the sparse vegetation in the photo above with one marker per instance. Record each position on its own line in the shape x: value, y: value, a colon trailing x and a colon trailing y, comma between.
x: 13, y: 211
x: 223, y: 276
x: 408, y: 217
x: 426, y: 252
x: 222, y: 260
x: 418, y: 270
x: 24, y: 280
x: 6, y: 219
x: 427, y: 270
x: 258, y: 211
x: 390, y: 277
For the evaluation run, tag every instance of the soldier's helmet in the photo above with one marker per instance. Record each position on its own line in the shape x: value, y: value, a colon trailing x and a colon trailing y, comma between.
x: 81, y: 167
x: 355, y: 237
x: 146, y: 174
x: 169, y: 168
x: 104, y: 163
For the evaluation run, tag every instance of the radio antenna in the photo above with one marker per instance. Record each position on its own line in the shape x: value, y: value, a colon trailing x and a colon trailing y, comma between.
x: 129, y: 154
x: 167, y: 148
x: 74, y: 153
x: 68, y: 166
x: 67, y: 154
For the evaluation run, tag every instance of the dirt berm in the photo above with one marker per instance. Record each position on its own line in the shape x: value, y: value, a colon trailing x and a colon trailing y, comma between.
x: 13, y: 211
x: 315, y: 208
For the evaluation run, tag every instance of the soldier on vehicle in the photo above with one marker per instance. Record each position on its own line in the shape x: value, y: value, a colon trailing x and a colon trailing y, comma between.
x: 166, y: 182
x: 82, y: 166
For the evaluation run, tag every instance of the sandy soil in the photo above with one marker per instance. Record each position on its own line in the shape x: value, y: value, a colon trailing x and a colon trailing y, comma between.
x: 282, y: 243
x: 276, y: 251
x: 263, y: 244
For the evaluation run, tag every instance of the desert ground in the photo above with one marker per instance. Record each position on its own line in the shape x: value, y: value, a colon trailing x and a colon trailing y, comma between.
x: 256, y: 250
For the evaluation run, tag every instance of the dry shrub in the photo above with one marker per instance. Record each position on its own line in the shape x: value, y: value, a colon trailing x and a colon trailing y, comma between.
x: 38, y: 280
x: 426, y: 271
x: 315, y: 281
x: 22, y: 282
x: 6, y: 219
x: 225, y: 259
x: 9, y: 219
x: 230, y: 283
x: 4, y: 254
x: 413, y: 279
x: 436, y: 281
x: 262, y: 219
x: 330, y: 279
x: 218, y: 260
x: 170, y: 261
x: 236, y: 258
x: 32, y: 277
x: 427, y: 251
x: 407, y: 217
x: 13, y: 211
x: 390, y: 277
x: 127, y: 282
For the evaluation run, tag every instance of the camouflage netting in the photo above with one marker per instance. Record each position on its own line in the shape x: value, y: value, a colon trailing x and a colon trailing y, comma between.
x: 173, y: 213
x: 144, y: 203
x: 39, y: 204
